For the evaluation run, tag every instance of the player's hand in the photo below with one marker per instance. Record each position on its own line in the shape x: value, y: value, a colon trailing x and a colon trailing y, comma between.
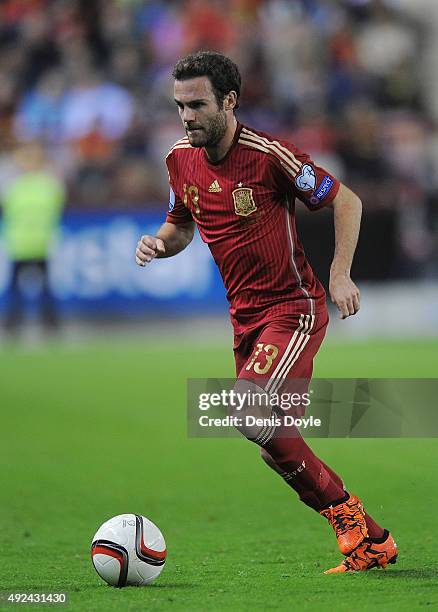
x: 147, y: 249
x: 344, y: 294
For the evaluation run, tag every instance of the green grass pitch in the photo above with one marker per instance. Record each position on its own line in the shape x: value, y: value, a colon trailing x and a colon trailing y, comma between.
x: 88, y: 432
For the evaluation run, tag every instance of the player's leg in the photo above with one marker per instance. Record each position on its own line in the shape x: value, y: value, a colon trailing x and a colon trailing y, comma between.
x: 49, y: 315
x: 303, y: 368
x: 286, y: 452
x: 283, y: 346
x: 14, y: 308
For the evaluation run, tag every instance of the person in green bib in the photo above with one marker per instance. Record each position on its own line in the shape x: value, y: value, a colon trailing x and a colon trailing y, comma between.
x: 32, y: 205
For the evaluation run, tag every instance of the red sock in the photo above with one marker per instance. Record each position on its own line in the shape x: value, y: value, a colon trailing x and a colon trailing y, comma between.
x: 374, y: 530
x: 333, y: 474
x: 303, y: 471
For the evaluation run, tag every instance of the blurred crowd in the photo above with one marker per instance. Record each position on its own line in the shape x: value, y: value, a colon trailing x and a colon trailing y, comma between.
x: 348, y: 81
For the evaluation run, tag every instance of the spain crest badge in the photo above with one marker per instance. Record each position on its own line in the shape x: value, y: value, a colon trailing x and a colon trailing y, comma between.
x: 244, y: 203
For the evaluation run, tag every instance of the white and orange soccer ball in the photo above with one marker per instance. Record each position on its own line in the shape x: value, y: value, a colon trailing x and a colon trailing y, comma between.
x: 128, y: 550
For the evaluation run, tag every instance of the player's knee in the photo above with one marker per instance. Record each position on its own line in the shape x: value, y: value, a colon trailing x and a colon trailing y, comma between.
x: 253, y: 415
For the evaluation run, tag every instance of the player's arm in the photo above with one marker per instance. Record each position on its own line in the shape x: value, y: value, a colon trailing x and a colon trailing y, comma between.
x: 347, y: 214
x: 316, y: 188
x: 170, y: 239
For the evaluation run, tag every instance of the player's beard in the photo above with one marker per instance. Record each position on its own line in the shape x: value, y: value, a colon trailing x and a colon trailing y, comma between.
x: 211, y: 133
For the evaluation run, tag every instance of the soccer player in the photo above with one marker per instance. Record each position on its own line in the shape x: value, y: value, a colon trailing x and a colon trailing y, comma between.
x: 239, y: 187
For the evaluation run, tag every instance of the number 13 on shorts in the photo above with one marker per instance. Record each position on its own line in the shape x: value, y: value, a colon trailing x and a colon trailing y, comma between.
x: 263, y: 358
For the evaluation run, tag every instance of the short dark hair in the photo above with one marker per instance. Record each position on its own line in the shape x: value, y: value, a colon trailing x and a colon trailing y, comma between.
x: 223, y: 73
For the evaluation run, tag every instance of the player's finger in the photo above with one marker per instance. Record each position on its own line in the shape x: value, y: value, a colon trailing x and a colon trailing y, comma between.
x: 140, y: 254
x: 147, y: 250
x: 350, y: 306
x: 140, y: 257
x: 145, y: 257
x: 160, y: 246
x: 139, y: 262
x: 148, y: 241
x: 343, y: 309
x: 356, y: 302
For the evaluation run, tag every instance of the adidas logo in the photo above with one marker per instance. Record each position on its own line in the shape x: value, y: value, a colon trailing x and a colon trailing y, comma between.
x: 214, y: 187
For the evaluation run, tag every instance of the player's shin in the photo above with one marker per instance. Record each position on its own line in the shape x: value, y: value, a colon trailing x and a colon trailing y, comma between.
x: 301, y: 469
x: 290, y: 456
x: 307, y: 497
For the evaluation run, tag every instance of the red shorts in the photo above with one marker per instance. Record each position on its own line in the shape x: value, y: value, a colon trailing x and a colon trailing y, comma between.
x: 280, y: 350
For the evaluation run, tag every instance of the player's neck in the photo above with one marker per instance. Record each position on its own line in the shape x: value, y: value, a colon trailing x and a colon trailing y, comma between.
x: 216, y: 153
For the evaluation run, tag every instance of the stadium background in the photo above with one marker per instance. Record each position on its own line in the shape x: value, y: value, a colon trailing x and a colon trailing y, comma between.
x: 352, y: 82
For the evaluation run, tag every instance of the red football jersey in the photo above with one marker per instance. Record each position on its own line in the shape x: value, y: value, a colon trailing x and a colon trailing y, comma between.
x: 244, y: 207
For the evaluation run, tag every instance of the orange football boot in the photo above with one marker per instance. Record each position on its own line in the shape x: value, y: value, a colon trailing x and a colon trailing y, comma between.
x: 348, y: 522
x: 368, y: 555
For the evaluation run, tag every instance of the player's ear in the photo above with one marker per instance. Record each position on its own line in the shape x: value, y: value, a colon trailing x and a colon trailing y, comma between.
x: 230, y: 100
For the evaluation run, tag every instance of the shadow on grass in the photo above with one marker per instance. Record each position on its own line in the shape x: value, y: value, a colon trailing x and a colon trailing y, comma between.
x: 418, y: 574
x: 172, y: 585
x: 108, y: 588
